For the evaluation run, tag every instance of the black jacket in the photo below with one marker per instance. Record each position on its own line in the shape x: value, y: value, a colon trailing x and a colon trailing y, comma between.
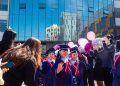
x: 23, y: 73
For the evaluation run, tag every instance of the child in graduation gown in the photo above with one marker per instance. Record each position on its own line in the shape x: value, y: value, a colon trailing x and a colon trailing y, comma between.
x: 38, y: 78
x: 77, y: 67
x: 116, y: 73
x: 62, y: 67
x: 47, y: 65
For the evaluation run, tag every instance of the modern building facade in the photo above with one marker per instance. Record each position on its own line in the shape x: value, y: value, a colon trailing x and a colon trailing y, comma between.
x: 74, y: 17
x: 4, y: 14
x: 117, y: 17
x: 52, y: 33
x: 69, y: 22
x: 103, y: 21
x: 106, y: 21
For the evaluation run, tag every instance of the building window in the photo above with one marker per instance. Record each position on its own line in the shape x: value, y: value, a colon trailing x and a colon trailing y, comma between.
x: 117, y: 12
x: 3, y: 25
x: 22, y: 5
x: 42, y: 5
x: 72, y: 27
x: 3, y: 7
x: 74, y: 23
x: 66, y: 22
x: 51, y: 33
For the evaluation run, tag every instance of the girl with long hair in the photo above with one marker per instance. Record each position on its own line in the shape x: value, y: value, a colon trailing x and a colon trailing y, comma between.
x: 62, y: 67
x: 26, y: 58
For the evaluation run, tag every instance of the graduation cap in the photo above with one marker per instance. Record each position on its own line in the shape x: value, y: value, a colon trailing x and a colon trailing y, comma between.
x: 51, y: 50
x: 63, y: 47
x: 74, y: 50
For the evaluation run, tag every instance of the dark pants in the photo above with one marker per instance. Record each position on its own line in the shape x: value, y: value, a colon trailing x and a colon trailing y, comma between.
x: 108, y: 77
x: 89, y: 76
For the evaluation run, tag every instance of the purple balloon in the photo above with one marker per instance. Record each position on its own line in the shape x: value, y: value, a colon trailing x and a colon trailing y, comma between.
x: 56, y: 46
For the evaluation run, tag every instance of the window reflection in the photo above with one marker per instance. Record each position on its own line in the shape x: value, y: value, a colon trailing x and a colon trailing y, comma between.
x: 34, y: 17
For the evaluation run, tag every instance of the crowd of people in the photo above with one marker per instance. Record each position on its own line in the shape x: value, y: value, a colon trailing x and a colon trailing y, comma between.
x: 97, y: 63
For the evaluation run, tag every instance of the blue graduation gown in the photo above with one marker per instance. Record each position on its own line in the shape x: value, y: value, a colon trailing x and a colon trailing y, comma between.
x: 79, y: 78
x: 76, y: 78
x: 47, y: 72
x: 82, y: 69
x: 38, y: 78
x: 62, y: 78
x: 116, y: 77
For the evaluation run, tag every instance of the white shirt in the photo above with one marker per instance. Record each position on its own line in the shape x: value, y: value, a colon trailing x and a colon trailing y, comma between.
x: 65, y: 60
x: 49, y: 60
x: 73, y: 62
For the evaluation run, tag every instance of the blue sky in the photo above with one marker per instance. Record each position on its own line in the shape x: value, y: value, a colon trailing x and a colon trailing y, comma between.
x: 33, y: 21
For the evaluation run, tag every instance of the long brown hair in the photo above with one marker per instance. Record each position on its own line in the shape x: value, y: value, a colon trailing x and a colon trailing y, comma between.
x: 21, y: 53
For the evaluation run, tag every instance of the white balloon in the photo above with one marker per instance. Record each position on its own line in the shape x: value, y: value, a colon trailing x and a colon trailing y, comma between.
x: 82, y: 42
x: 81, y: 50
x: 79, y: 40
x: 71, y: 44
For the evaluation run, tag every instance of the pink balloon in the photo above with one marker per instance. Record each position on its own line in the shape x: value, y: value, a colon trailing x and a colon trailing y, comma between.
x: 71, y: 44
x: 91, y: 35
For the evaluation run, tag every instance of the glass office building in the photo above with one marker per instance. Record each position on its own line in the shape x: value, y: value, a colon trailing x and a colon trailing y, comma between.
x: 3, y: 16
x: 74, y: 17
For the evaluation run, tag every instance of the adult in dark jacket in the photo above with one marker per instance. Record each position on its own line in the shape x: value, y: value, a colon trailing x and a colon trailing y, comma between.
x: 108, y: 61
x: 26, y: 58
x: 104, y: 63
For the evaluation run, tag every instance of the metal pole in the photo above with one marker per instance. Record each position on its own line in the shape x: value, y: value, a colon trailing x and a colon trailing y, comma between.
x: 71, y: 20
x: 8, y: 13
x: 77, y: 16
x: 25, y: 23
x: 38, y: 19
x: 58, y: 22
x: 45, y: 16
x: 88, y: 16
x: 12, y: 11
x: 83, y: 16
x: 31, y: 18
x: 18, y: 19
